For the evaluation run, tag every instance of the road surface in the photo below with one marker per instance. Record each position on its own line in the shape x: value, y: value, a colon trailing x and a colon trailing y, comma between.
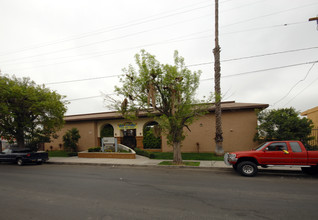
x: 105, y: 192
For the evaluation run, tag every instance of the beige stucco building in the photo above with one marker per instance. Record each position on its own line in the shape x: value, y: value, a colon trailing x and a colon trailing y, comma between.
x: 312, y: 114
x: 239, y: 122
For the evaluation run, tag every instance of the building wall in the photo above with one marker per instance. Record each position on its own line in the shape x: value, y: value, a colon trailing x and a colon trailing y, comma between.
x: 314, y: 117
x: 87, y: 131
x: 239, y: 128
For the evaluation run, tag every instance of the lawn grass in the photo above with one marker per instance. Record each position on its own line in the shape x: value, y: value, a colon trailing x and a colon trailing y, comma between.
x: 60, y: 153
x: 187, y: 156
x: 194, y: 164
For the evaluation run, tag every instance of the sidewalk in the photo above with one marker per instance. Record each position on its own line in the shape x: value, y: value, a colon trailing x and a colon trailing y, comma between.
x: 143, y: 161
x: 139, y: 161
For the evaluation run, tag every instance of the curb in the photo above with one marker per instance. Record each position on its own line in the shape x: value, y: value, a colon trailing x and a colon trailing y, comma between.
x: 136, y: 165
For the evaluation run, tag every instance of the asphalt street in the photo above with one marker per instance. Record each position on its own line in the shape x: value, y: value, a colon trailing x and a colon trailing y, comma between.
x: 54, y: 191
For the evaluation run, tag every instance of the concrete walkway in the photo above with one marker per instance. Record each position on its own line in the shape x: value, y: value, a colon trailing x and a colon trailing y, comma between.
x: 139, y: 161
x: 143, y: 161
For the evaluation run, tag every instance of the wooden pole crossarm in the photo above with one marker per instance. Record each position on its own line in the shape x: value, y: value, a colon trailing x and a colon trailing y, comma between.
x: 313, y: 19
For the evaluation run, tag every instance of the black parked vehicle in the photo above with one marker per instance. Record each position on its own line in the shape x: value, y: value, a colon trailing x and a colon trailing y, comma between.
x: 21, y: 156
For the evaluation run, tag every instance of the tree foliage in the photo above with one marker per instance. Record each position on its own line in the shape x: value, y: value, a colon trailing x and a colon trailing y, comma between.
x: 283, y: 124
x: 29, y: 112
x: 167, y: 90
x: 70, y: 139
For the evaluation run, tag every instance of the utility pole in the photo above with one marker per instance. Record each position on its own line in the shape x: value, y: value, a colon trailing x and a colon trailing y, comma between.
x: 217, y: 86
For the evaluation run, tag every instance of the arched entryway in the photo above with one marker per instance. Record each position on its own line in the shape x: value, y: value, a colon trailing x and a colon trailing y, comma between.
x: 152, y: 135
x: 106, y: 131
x: 128, y: 130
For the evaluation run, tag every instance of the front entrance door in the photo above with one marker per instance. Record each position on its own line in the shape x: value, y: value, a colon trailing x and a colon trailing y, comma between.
x: 129, y: 138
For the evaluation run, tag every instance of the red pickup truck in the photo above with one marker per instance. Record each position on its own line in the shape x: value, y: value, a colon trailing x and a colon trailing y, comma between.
x: 273, y: 153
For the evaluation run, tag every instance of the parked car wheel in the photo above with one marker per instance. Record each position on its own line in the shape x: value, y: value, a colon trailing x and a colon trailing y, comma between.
x: 247, y: 168
x: 20, y: 161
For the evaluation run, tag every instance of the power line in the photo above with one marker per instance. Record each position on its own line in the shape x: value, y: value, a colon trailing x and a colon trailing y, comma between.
x: 256, y: 56
x: 235, y: 75
x: 98, y: 42
x: 90, y: 97
x: 265, y: 27
x: 301, y: 91
x: 122, y: 26
x: 267, y: 15
x: 102, y: 53
x: 117, y: 27
x: 173, y: 40
x: 262, y: 70
x: 80, y: 80
x: 295, y: 85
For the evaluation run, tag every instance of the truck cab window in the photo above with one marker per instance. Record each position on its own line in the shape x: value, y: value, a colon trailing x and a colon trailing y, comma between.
x: 295, y: 147
x: 277, y: 147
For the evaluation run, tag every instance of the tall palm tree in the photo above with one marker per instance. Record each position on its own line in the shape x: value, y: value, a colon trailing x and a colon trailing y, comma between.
x: 217, y: 87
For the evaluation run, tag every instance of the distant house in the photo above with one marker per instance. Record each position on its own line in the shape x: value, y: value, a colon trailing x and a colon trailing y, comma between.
x: 239, y: 121
x: 312, y: 114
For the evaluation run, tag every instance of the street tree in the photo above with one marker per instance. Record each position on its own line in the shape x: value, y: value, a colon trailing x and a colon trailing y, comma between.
x: 29, y: 112
x: 283, y: 124
x: 164, y: 90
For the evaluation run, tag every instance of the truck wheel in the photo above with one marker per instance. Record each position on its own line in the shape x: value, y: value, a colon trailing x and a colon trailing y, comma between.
x: 20, y: 161
x: 247, y: 168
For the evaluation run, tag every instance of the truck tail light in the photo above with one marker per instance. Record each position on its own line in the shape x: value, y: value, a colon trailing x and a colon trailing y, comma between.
x: 28, y: 155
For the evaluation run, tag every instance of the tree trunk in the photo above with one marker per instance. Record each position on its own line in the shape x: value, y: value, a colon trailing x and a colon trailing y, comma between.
x: 217, y: 86
x: 20, y: 142
x: 177, y: 158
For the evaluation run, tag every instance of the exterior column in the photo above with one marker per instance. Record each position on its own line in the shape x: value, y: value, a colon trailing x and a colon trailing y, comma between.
x: 139, y: 143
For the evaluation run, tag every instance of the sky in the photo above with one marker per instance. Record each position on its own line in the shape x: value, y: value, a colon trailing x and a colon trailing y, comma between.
x: 269, y: 49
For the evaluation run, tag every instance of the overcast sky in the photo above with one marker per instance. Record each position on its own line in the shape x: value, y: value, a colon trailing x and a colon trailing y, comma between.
x: 79, y: 47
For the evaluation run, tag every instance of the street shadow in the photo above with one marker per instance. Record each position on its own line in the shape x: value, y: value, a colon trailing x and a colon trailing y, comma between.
x: 285, y: 173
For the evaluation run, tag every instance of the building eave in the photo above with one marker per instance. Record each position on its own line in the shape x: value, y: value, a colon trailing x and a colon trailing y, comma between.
x: 226, y: 106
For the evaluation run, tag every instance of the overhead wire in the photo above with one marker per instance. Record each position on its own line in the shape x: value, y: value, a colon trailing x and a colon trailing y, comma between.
x: 104, y: 53
x: 116, y: 27
x: 313, y: 64
x: 263, y: 70
x: 224, y: 76
x: 301, y: 91
x: 270, y: 14
x: 98, y: 42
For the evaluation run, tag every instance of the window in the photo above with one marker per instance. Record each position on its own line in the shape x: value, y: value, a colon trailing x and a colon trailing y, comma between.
x: 277, y: 147
x: 295, y: 146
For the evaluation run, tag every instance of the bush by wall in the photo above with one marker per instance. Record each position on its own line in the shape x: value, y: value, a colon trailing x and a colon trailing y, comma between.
x: 144, y: 153
x: 150, y: 141
x: 94, y: 149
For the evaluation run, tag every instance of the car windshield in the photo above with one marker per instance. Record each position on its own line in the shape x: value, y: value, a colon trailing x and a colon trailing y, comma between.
x: 260, y: 146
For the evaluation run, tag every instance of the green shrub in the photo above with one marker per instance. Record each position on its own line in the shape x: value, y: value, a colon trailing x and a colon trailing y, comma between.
x: 150, y: 141
x: 61, y: 153
x: 70, y: 139
x: 72, y: 154
x: 144, y: 153
x: 94, y: 149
